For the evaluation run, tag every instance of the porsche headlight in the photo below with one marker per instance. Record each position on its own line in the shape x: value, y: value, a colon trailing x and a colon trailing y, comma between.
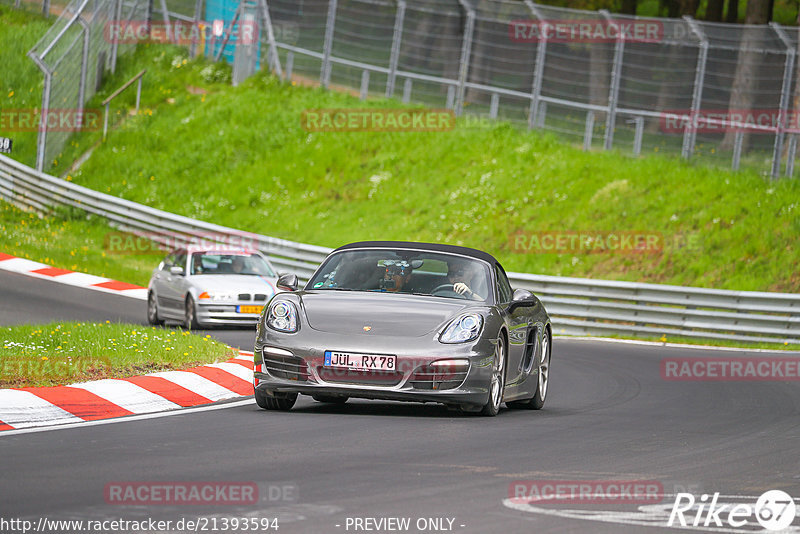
x: 464, y: 328
x: 282, y: 316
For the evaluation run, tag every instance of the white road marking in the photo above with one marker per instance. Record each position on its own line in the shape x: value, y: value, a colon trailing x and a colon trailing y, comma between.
x: 22, y: 409
x: 235, y: 369
x: 128, y: 419
x: 659, y: 344
x: 126, y: 395
x: 197, y: 384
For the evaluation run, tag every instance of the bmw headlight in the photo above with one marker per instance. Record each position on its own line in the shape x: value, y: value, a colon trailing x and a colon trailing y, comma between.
x: 464, y: 328
x: 282, y: 316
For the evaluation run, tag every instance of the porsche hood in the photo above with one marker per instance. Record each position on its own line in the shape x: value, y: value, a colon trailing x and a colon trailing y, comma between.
x: 363, y: 313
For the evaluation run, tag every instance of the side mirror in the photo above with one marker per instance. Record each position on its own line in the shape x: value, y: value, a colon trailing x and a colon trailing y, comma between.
x: 521, y: 298
x: 287, y: 282
x: 177, y: 270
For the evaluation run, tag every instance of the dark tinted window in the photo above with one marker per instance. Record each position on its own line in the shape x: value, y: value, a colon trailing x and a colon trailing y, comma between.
x: 503, y: 287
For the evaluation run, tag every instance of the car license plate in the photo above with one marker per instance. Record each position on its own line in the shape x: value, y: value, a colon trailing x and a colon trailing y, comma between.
x: 364, y: 362
x: 249, y: 309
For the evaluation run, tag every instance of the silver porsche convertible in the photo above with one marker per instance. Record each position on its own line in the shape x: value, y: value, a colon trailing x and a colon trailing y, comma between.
x: 404, y: 321
x: 206, y: 286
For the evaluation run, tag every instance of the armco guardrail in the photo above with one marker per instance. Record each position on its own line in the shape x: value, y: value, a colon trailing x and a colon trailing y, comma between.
x: 578, y: 306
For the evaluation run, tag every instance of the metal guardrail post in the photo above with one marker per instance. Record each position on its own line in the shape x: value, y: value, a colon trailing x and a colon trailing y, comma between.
x: 494, y: 105
x: 538, y: 68
x: 407, y: 91
x: 466, y: 56
x: 45, y: 8
x: 786, y: 87
x: 450, y: 102
x: 690, y: 130
x: 107, y: 102
x: 327, y: 47
x: 394, y: 56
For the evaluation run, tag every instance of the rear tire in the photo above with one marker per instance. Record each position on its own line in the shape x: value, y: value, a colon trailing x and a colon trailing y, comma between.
x: 330, y: 399
x: 152, y: 310
x: 542, y: 380
x: 190, y: 314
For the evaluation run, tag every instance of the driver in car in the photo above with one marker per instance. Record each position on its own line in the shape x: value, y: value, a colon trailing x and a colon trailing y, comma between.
x: 396, y: 277
x: 460, y: 275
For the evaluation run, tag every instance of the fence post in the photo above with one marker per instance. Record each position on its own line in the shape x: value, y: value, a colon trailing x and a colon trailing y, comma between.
x: 538, y: 68
x: 790, y: 154
x: 637, y: 136
x: 407, y: 91
x: 738, y: 139
x: 117, y: 17
x: 690, y: 130
x: 45, y: 8
x: 274, y: 59
x: 616, y: 74
x: 165, y: 12
x: 289, y: 65
x: 394, y: 56
x: 325, y: 74
x: 466, y: 52
x: 494, y: 105
x: 786, y: 87
x: 198, y: 6
x: 84, y: 62
x: 588, y: 130
x: 364, y: 84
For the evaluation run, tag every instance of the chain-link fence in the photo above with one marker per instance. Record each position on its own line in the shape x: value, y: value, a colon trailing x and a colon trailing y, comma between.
x: 723, y: 93
x: 717, y: 92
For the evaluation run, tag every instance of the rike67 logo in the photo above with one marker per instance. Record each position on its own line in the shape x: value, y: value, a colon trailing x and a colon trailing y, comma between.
x: 774, y: 510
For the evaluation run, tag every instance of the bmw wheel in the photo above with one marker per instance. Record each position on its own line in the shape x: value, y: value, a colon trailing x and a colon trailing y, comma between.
x: 152, y: 310
x: 190, y: 315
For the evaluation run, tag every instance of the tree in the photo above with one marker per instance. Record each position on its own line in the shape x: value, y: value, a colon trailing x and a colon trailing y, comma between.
x: 745, y: 81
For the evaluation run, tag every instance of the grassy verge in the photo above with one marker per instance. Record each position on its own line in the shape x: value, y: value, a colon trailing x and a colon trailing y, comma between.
x: 69, y: 352
x: 239, y: 157
x: 76, y: 242
x: 784, y: 347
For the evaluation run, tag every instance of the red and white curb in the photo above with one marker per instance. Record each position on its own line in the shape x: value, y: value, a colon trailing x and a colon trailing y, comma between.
x: 72, y: 278
x: 109, y: 398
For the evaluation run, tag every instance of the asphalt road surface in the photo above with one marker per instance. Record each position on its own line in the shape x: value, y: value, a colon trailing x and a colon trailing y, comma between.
x: 352, y: 468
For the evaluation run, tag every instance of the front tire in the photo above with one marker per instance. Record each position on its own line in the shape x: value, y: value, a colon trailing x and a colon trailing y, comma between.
x: 152, y: 310
x: 190, y: 314
x: 282, y: 402
x: 497, y: 383
x: 330, y: 399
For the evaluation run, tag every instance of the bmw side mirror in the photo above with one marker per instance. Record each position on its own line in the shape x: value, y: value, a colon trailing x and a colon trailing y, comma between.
x: 287, y: 282
x: 176, y: 270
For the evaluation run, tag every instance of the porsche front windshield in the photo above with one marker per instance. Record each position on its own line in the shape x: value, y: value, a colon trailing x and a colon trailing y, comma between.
x: 415, y: 272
